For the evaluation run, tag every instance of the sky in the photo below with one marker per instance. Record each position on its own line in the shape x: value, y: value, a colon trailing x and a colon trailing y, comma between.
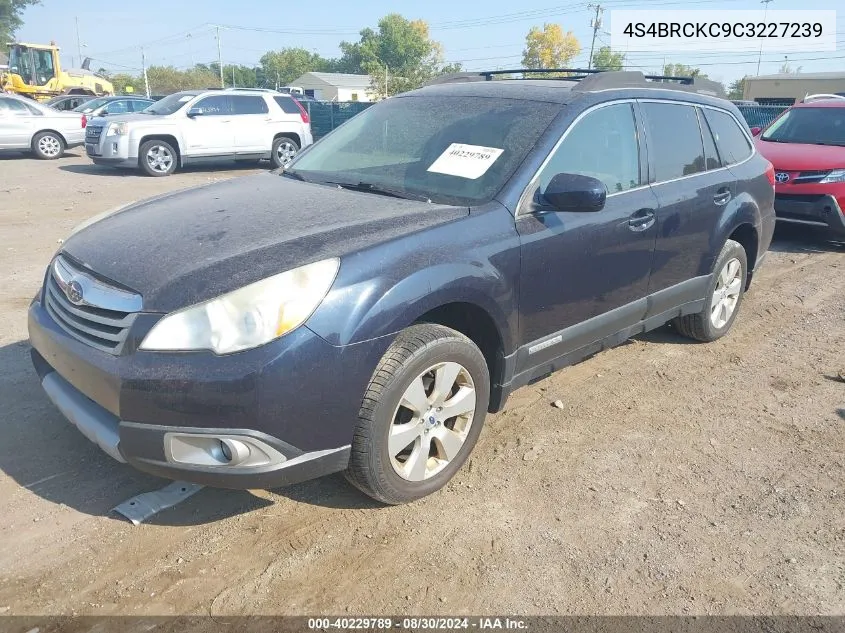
x: 480, y: 36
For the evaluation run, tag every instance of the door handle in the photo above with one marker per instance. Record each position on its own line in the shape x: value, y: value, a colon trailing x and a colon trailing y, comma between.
x: 641, y: 220
x: 722, y: 198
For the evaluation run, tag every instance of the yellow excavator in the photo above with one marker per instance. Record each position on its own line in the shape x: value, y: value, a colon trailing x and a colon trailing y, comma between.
x: 34, y: 71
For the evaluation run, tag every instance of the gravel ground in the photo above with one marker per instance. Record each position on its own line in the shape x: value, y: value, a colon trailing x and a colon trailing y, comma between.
x: 678, y: 478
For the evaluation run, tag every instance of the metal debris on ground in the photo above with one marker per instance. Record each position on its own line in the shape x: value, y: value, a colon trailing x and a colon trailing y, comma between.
x: 141, y: 507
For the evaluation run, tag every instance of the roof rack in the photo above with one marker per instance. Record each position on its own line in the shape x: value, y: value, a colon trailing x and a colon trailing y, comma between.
x: 592, y: 79
x: 821, y: 97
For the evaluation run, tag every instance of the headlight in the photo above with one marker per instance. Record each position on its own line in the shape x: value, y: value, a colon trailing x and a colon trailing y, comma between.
x: 837, y: 175
x: 248, y: 317
x: 117, y: 129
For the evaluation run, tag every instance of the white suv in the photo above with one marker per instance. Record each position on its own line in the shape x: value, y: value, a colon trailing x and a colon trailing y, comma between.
x: 201, y: 126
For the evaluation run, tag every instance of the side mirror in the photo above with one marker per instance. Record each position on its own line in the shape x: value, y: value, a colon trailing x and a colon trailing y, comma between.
x: 573, y: 192
x: 755, y: 131
x: 194, y: 112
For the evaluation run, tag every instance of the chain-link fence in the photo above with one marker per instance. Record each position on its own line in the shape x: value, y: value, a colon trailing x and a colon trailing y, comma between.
x: 760, y: 115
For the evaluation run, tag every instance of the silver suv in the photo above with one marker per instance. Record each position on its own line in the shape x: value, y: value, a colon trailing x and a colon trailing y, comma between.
x: 201, y: 126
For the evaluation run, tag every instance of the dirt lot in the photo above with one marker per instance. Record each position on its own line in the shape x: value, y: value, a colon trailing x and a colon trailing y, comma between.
x: 678, y: 478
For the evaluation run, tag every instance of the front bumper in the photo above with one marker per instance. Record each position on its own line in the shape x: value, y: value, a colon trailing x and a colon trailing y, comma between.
x: 111, y: 150
x: 811, y: 209
x: 298, y: 397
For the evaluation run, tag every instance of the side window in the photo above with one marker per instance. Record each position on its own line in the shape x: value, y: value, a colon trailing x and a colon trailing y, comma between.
x: 139, y: 106
x: 674, y: 140
x: 249, y: 104
x: 287, y: 105
x: 711, y: 155
x: 16, y: 107
x: 732, y: 142
x: 117, y: 107
x: 217, y: 105
x: 603, y: 145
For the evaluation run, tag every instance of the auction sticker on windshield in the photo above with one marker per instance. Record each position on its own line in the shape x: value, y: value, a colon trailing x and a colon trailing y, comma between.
x: 465, y: 161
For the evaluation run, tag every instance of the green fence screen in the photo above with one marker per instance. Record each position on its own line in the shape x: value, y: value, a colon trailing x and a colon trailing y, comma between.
x: 760, y: 115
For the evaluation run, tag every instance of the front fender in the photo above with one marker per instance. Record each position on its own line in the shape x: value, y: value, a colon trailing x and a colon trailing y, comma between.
x: 385, y: 289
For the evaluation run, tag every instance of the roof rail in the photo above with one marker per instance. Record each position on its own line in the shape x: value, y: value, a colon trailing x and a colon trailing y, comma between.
x: 821, y: 97
x: 592, y: 79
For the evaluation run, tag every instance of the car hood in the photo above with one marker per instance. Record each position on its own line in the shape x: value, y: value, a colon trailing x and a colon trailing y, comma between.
x: 190, y: 246
x: 802, y: 157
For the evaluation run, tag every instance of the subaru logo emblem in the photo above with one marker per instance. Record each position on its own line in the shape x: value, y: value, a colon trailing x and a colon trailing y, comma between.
x: 73, y: 291
x: 782, y: 177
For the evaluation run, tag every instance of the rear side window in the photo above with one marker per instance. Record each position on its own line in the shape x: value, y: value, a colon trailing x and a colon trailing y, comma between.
x: 249, y: 104
x: 674, y: 140
x: 733, y: 144
x: 602, y: 145
x: 287, y: 105
x: 711, y: 155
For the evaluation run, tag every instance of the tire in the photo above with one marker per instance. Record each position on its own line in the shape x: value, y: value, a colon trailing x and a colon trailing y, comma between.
x: 726, y: 288
x: 284, y: 149
x: 409, y: 373
x: 157, y: 158
x: 48, y: 145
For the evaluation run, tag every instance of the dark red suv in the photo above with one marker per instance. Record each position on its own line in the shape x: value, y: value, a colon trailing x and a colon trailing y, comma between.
x: 806, y: 144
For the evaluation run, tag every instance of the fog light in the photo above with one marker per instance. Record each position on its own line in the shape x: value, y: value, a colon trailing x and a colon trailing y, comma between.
x: 219, y: 450
x: 227, y: 454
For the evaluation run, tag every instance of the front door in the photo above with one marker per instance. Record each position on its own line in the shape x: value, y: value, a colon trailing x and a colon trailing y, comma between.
x: 210, y: 131
x: 588, y: 269
x: 16, y: 124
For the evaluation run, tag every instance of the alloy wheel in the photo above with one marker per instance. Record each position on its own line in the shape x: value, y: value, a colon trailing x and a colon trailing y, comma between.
x: 159, y: 158
x: 431, y: 423
x: 726, y: 293
x: 286, y: 152
x: 49, y: 145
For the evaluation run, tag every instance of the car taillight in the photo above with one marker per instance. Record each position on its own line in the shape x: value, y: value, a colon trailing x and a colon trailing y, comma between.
x: 770, y: 174
x: 302, y: 112
x: 84, y: 121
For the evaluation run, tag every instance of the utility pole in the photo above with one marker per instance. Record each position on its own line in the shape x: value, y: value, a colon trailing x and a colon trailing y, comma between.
x: 596, y: 24
x: 144, y: 66
x: 78, y: 42
x: 385, y: 82
x: 760, y: 56
x: 220, y: 58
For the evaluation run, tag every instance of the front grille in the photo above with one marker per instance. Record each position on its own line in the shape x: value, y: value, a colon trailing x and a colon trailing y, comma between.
x: 92, y: 134
x: 99, y: 326
x: 806, y: 177
x: 811, y: 198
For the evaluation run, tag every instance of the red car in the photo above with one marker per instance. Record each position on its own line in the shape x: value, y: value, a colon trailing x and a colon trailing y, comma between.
x: 806, y: 144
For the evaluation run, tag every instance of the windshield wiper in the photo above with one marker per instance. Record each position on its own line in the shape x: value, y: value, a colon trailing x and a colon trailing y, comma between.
x: 369, y: 187
x: 293, y: 174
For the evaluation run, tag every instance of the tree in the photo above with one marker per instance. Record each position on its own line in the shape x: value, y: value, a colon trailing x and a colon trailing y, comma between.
x: 549, y: 47
x: 736, y: 91
x: 399, y: 56
x: 10, y: 17
x: 281, y: 67
x: 681, y: 70
x: 122, y: 81
x: 167, y: 79
x: 605, y: 59
x: 786, y: 69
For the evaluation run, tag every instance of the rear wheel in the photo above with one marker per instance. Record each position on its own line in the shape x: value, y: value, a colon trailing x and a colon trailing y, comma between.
x: 157, y: 158
x: 421, y: 415
x: 724, y: 296
x: 48, y: 145
x: 284, y: 150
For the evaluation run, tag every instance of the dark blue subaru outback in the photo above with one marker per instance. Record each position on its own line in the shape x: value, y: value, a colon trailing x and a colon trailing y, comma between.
x: 363, y: 310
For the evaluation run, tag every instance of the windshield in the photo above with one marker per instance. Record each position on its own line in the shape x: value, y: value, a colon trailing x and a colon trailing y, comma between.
x: 20, y: 62
x: 453, y: 150
x: 170, y: 104
x: 90, y: 106
x: 818, y: 126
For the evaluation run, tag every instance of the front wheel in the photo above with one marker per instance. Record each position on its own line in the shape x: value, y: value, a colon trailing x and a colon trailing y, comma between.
x: 723, y: 298
x: 157, y: 158
x: 48, y: 145
x: 283, y: 152
x: 421, y: 415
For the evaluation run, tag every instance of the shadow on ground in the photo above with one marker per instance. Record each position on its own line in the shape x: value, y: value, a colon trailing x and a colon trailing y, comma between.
x: 796, y: 238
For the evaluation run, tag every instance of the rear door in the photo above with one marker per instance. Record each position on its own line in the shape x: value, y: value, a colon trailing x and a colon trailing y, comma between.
x: 16, y: 124
x: 210, y: 133
x: 578, y: 266
x: 251, y: 121
x: 693, y: 190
